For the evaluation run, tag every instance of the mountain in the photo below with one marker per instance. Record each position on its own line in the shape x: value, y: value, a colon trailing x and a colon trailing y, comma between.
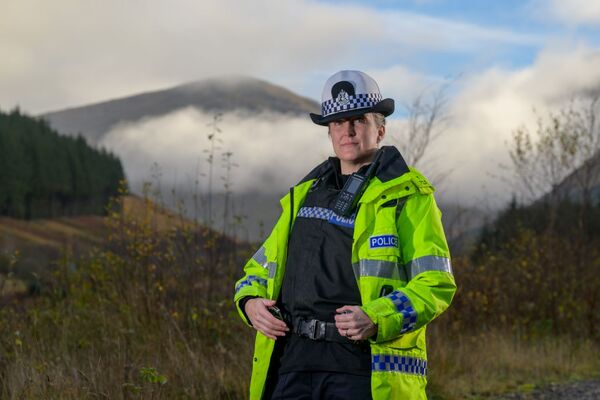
x: 212, y: 95
x: 586, y: 178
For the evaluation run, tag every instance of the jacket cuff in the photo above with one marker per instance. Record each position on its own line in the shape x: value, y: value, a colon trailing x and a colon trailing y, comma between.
x: 383, y: 314
x: 248, y: 291
x: 242, y: 308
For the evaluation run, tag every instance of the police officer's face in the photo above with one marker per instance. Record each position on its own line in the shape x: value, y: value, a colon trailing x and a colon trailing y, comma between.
x: 354, y: 139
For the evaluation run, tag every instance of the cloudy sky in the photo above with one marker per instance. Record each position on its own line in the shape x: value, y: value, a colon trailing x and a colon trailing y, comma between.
x: 502, y: 59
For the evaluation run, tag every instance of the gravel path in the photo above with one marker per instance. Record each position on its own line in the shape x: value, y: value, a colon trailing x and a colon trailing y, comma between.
x: 584, y: 390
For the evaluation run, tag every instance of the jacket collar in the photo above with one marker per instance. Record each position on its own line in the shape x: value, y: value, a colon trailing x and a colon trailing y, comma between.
x: 391, y: 166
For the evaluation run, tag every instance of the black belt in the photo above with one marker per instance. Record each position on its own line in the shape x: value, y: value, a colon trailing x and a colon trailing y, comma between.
x: 320, y: 330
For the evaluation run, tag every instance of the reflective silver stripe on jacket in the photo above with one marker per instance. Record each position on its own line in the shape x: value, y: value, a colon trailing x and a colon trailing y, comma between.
x: 427, y: 263
x: 379, y: 269
x: 261, y: 259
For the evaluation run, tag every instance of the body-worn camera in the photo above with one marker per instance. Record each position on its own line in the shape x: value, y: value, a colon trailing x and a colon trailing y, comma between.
x: 354, y: 188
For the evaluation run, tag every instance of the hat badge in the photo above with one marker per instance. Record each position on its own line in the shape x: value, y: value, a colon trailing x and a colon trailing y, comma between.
x: 342, y: 98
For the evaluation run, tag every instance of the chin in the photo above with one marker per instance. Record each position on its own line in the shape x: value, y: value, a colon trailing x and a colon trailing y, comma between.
x: 347, y: 154
x: 347, y: 157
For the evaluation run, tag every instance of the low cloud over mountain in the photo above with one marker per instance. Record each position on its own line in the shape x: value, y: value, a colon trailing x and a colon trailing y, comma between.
x: 163, y: 137
x: 274, y: 144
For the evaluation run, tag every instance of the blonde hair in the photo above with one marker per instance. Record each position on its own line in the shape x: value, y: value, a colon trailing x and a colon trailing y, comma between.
x: 379, y: 119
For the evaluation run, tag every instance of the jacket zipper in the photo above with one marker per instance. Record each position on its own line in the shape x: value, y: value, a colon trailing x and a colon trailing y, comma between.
x: 291, y: 211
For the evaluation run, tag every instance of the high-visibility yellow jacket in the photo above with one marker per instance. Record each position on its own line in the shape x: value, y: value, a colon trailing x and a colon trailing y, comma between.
x: 416, y: 268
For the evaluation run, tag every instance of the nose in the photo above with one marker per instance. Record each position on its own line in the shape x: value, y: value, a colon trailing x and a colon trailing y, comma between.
x: 349, y: 125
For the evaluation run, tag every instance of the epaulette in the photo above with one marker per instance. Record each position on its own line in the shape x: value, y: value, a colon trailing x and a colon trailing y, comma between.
x: 422, y: 184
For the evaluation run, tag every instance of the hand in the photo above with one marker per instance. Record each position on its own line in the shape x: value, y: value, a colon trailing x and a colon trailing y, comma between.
x: 262, y: 320
x: 352, y: 322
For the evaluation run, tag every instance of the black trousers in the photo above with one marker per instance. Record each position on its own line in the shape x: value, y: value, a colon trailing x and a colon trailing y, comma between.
x: 317, y: 386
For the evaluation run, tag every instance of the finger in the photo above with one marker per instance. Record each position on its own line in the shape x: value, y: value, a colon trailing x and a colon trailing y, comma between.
x: 344, y: 330
x: 356, y: 338
x: 357, y: 334
x: 346, y: 313
x: 269, y: 331
x: 264, y: 329
x: 271, y: 321
x: 347, y: 317
x: 266, y: 315
x: 344, y: 309
x: 276, y: 330
x: 258, y: 306
x: 272, y: 334
x: 345, y: 324
x: 272, y: 325
x: 268, y: 335
x: 353, y: 334
x: 347, y: 320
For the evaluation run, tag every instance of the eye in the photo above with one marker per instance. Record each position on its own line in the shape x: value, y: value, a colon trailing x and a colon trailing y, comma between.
x: 360, y: 120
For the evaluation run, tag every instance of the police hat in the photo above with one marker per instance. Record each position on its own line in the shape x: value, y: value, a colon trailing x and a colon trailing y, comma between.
x: 350, y: 93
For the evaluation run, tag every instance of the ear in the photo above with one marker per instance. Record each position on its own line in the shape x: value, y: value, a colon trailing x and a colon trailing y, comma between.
x: 380, y: 133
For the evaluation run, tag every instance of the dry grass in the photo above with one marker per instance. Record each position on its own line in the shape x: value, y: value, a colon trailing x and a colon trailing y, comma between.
x: 72, y: 362
x: 148, y: 315
x: 145, y: 210
x: 11, y: 286
x: 72, y: 355
x: 474, y: 366
x: 85, y: 231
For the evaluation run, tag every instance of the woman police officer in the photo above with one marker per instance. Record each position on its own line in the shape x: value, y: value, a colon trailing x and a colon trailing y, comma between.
x: 341, y: 302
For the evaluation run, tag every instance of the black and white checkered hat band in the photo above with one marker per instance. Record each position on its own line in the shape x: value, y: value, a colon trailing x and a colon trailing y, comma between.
x: 351, y: 103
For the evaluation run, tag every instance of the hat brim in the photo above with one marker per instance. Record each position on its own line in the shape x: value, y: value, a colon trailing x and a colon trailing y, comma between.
x: 385, y: 107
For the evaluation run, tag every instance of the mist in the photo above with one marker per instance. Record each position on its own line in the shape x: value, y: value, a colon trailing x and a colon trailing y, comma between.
x: 272, y: 151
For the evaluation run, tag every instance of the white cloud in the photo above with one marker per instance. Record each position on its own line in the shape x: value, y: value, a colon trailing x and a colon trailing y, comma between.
x: 491, y: 105
x: 67, y: 53
x: 570, y: 12
x: 422, y: 31
x: 273, y: 151
x: 400, y: 83
x: 70, y: 52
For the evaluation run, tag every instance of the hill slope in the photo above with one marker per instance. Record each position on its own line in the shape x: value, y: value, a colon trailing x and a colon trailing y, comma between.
x: 35, y: 245
x: 213, y: 95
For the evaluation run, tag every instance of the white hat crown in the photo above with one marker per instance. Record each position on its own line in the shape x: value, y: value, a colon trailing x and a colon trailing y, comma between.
x: 349, y: 90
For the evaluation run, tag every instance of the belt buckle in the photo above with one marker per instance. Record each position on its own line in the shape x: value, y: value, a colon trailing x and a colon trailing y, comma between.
x: 313, y: 329
x: 310, y: 329
x: 320, y: 328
